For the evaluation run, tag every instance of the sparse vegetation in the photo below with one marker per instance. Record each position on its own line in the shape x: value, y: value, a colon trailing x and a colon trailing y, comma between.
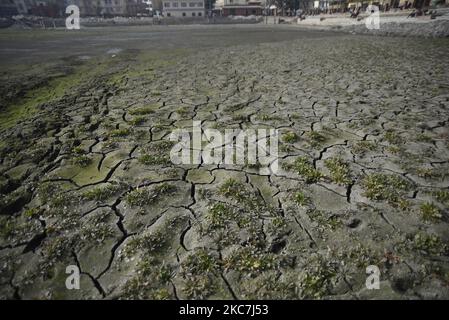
x: 219, y: 215
x: 200, y: 263
x: 379, y: 186
x: 324, y: 220
x: 101, y: 193
x: 82, y: 161
x: 300, y: 198
x: 142, y: 111
x: 429, y: 244
x: 290, y: 137
x: 339, y: 171
x: 198, y: 287
x: 430, y: 212
x: 146, y: 196
x: 234, y: 189
x: 392, y: 137
x: 305, y: 169
x: 316, y: 138
x: 364, y: 146
x: 249, y: 260
x: 442, y: 196
x: 317, y: 279
x: 136, y: 121
x: 154, y: 160
x: 117, y: 133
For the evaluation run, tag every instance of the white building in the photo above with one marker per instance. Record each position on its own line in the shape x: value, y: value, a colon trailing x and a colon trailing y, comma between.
x: 183, y: 8
x: 240, y: 7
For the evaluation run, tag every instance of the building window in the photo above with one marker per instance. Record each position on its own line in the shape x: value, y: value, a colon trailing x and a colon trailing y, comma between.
x: 175, y: 4
x: 167, y: 4
x: 193, y: 14
x: 183, y: 14
x: 199, y: 14
x: 184, y: 4
x: 168, y: 14
x: 191, y: 4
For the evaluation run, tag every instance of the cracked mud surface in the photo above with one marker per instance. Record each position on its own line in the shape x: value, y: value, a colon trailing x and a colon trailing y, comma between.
x: 86, y: 178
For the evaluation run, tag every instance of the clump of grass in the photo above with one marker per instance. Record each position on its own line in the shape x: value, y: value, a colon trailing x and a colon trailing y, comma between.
x: 82, y: 161
x: 149, y: 282
x: 364, y: 146
x: 305, y: 169
x: 360, y: 256
x: 234, y: 189
x: 7, y: 228
x: 380, y: 186
x: 394, y: 149
x: 270, y: 287
x: 249, y: 260
x: 239, y: 117
x: 154, y: 160
x: 164, y: 274
x: 198, y: 287
x: 150, y: 243
x: 429, y: 243
x: 32, y: 213
x: 339, y: 170
x: 423, y: 138
x: 425, y: 173
x: 117, y: 133
x: 317, y: 279
x: 316, y: 138
x: 219, y: 215
x: 78, y: 151
x: 325, y: 221
x: 392, y: 137
x: 200, y: 262
x: 162, y: 146
x: 267, y: 117
x: 145, y: 196
x: 430, y: 212
x: 137, y: 121
x: 442, y: 196
x: 182, y: 111
x: 300, y: 198
x: 142, y: 111
x: 290, y: 137
x: 101, y: 193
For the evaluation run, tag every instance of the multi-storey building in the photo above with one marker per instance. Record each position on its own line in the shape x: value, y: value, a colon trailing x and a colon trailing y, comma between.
x: 87, y: 7
x: 242, y: 7
x: 183, y: 8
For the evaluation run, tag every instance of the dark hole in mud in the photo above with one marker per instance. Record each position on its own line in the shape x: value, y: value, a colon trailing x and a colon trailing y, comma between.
x: 354, y: 223
x: 35, y: 242
x: 401, y: 285
x: 278, y: 245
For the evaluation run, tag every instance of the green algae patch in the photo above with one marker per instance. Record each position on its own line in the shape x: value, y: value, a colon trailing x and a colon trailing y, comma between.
x: 27, y: 106
x: 52, y: 89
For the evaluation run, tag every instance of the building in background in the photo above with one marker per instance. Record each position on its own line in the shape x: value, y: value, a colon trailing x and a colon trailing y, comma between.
x: 241, y: 7
x: 24, y: 6
x: 196, y: 8
x: 87, y: 7
x: 136, y: 7
x: 183, y: 8
x: 48, y: 8
x: 8, y: 8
